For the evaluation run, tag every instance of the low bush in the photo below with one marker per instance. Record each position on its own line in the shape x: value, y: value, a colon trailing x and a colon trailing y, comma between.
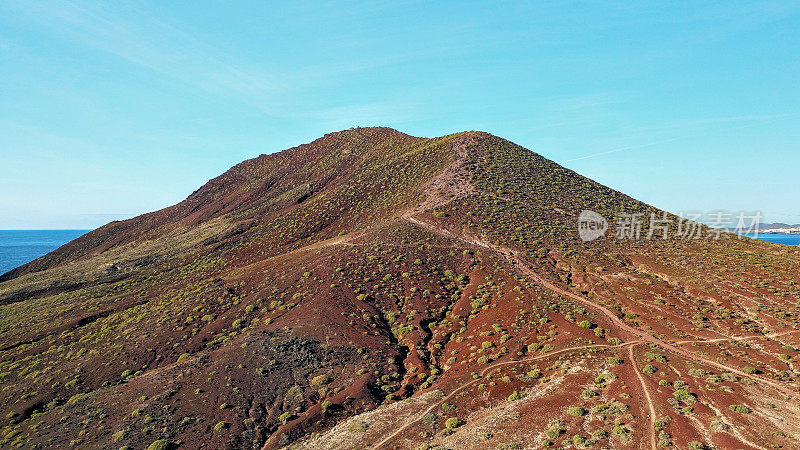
x: 453, y: 422
x: 576, y: 411
x: 161, y: 444
x: 741, y: 409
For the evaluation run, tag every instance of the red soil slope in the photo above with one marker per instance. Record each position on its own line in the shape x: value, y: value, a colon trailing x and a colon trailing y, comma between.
x: 376, y: 290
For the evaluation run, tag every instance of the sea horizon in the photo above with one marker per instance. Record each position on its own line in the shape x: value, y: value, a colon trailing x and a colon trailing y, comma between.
x: 777, y: 238
x: 18, y: 247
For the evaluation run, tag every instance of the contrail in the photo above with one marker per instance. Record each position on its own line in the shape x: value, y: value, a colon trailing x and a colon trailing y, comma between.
x: 622, y: 149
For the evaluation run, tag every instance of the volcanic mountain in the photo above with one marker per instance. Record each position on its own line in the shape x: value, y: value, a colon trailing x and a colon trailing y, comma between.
x: 372, y: 289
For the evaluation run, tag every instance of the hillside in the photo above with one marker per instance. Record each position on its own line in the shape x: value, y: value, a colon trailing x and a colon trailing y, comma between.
x: 372, y: 289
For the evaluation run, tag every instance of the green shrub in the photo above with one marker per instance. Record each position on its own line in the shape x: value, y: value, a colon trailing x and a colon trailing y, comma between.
x: 576, y: 411
x: 222, y: 425
x: 604, y: 378
x: 649, y: 369
x: 285, y: 417
x: 319, y: 380
x: 161, y: 444
x: 554, y: 430
x: 741, y: 409
x: 685, y: 396
x: 510, y: 446
x: 653, y: 356
x: 600, y: 332
x: 620, y: 430
x: 76, y: 398
x: 453, y: 422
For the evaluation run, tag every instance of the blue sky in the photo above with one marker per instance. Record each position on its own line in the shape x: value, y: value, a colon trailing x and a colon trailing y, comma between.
x: 109, y: 110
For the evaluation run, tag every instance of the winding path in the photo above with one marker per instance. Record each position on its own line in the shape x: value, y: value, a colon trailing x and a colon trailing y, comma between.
x: 486, y: 370
x: 650, y: 405
x: 738, y: 338
x: 516, y: 260
x: 639, y: 336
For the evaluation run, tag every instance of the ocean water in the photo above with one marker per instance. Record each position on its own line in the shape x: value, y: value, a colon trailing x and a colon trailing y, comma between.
x: 18, y: 247
x: 776, y: 238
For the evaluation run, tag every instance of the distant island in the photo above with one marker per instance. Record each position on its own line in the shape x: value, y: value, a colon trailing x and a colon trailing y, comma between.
x: 779, y: 228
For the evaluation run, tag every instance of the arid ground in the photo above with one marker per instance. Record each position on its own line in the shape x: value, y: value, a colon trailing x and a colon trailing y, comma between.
x: 377, y: 290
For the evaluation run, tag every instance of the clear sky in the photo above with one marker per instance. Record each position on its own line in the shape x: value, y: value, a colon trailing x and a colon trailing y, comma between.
x: 109, y: 110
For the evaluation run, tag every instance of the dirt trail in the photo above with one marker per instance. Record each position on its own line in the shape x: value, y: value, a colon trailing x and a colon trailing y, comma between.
x: 488, y: 369
x: 516, y: 261
x: 734, y: 430
x: 650, y: 405
x: 739, y: 338
x: 456, y: 182
x: 338, y: 240
x: 452, y: 184
x: 640, y: 335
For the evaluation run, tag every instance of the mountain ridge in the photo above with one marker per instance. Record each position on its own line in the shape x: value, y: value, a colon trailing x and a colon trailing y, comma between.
x: 367, y: 287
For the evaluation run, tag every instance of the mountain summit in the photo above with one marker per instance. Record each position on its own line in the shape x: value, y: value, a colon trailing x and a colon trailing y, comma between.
x: 373, y: 289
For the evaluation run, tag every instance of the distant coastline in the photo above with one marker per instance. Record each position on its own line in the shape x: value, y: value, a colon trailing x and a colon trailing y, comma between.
x: 780, y: 231
x: 779, y: 228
